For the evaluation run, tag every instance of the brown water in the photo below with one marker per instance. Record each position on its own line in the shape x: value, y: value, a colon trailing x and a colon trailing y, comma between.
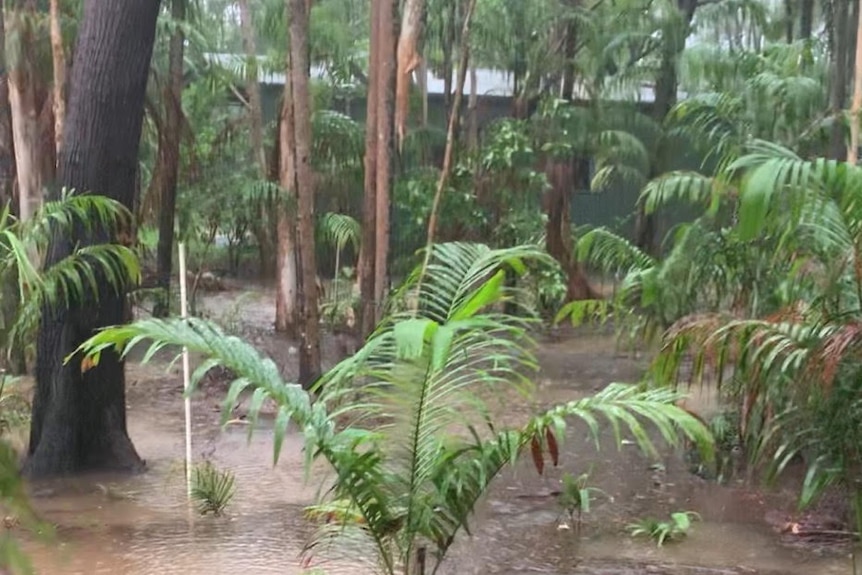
x: 142, y: 525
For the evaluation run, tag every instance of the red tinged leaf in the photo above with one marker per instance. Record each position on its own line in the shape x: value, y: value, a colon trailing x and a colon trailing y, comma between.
x: 538, y: 458
x: 553, y: 449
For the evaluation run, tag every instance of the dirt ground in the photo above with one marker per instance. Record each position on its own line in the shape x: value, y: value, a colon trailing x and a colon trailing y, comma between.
x: 140, y: 525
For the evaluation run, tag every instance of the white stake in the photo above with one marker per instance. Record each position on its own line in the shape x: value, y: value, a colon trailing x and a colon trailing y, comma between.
x: 184, y: 313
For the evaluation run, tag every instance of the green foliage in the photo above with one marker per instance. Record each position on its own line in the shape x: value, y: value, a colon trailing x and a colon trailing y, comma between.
x: 576, y: 495
x: 405, y: 423
x: 662, y: 531
x: 212, y: 489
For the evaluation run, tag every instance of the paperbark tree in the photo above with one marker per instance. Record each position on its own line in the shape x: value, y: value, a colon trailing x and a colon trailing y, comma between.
x: 309, y: 349
x: 856, y: 103
x: 286, y: 269
x: 385, y: 115
x: 409, y: 59
x: 169, y: 165
x: 25, y: 104
x: 79, y: 414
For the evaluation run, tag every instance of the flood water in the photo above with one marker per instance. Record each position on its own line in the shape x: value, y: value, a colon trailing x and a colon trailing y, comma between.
x: 142, y: 525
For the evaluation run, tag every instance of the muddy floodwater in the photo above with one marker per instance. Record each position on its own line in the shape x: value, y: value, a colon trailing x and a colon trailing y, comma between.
x: 142, y: 526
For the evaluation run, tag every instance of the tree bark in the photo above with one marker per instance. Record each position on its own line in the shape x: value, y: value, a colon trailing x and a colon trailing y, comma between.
x: 839, y: 46
x: 58, y: 57
x: 309, y: 349
x: 24, y: 106
x: 267, y: 244
x: 409, y: 60
x: 558, y: 230
x: 473, y: 111
x: 169, y: 149
x: 286, y: 290
x: 806, y: 19
x: 386, y: 83
x: 79, y: 415
x: 13, y: 361
x: 369, y: 203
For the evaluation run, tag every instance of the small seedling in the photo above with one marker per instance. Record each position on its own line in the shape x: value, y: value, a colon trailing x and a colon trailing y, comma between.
x: 212, y: 489
x: 575, y: 497
x: 661, y: 531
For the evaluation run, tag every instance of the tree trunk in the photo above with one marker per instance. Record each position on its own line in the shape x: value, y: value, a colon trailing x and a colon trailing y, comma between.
x: 856, y: 104
x: 386, y: 83
x: 24, y: 106
x: 558, y: 231
x: 369, y: 202
x: 806, y: 19
x: 58, y: 57
x: 673, y: 44
x: 473, y: 111
x: 409, y: 60
x: 13, y: 360
x: 839, y: 46
x: 286, y: 290
x: 79, y: 415
x: 309, y: 348
x: 169, y: 149
x: 267, y: 244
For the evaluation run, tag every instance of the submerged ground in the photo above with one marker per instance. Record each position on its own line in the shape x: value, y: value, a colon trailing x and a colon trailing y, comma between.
x: 141, y: 525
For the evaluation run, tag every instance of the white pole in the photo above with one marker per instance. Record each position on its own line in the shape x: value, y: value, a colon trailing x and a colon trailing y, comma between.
x: 184, y: 313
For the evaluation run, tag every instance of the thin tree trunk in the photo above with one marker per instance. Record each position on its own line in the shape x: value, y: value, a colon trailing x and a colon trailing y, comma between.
x: 286, y: 290
x: 309, y: 349
x: 252, y: 85
x: 806, y: 19
x: 263, y: 230
x: 79, y: 416
x: 856, y: 105
x: 169, y: 150
x: 423, y: 87
x: 789, y: 20
x: 58, y: 56
x: 473, y: 111
x: 386, y: 83
x: 369, y: 202
x: 409, y: 60
x: 25, y: 112
x: 449, y: 152
x: 840, y: 42
x: 665, y: 99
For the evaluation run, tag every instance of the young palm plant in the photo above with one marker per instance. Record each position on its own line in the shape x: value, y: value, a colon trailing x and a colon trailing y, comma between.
x: 405, y: 424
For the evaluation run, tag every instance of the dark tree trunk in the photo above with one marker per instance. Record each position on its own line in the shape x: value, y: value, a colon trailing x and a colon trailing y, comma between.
x: 79, y: 415
x: 666, y: 87
x: 170, y: 162
x: 839, y: 36
x: 789, y: 20
x: 12, y: 358
x: 806, y: 19
x: 561, y: 176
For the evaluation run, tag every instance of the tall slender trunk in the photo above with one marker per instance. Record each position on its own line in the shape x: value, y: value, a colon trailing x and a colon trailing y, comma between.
x: 473, y: 110
x: 58, y: 57
x: 386, y: 83
x: 13, y: 358
x: 169, y: 150
x: 839, y: 46
x: 369, y: 202
x: 423, y: 88
x: 79, y: 416
x: 789, y: 20
x: 806, y: 19
x: 309, y: 349
x: 286, y: 289
x: 263, y: 228
x: 23, y: 103
x: 666, y: 85
x: 409, y: 59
